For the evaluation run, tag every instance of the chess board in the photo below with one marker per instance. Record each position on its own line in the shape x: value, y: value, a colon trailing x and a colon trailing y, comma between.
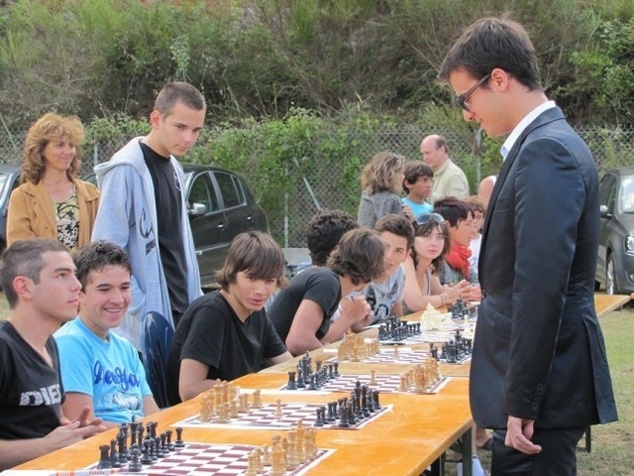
x: 264, y: 418
x: 198, y: 459
x: 436, y: 336
x: 407, y: 357
x: 384, y: 384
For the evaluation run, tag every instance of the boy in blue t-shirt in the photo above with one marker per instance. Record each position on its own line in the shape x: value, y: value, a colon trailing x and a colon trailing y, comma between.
x: 417, y: 183
x: 99, y: 368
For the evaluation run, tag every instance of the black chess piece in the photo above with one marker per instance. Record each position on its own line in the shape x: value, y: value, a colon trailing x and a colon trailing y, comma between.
x: 135, y: 465
x: 300, y: 378
x: 179, y: 443
x: 170, y: 445
x: 375, y: 399
x: 104, y: 460
x: 292, y: 384
x: 123, y: 445
x: 319, y: 421
x: 146, y: 459
x: 336, y: 373
x: 332, y: 412
x: 114, y: 456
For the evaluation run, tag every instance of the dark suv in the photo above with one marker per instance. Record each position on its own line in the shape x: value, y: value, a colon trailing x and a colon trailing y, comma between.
x: 615, y: 263
x: 219, y: 204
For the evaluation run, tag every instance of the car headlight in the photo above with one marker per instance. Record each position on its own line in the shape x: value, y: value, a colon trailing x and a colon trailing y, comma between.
x: 629, y: 244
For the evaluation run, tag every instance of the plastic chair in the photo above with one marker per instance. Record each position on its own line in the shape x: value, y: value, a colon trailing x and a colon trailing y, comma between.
x: 156, y: 341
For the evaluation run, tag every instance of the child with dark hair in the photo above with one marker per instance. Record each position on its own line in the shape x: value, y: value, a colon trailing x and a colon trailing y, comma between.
x: 226, y: 334
x: 417, y: 184
x: 325, y: 229
x: 90, y: 352
x: 385, y: 293
x: 302, y: 312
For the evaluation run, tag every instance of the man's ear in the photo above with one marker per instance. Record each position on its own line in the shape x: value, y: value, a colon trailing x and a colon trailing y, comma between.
x: 155, y: 118
x: 23, y: 287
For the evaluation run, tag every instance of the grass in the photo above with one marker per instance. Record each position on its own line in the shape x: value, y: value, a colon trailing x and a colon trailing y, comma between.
x: 611, y: 444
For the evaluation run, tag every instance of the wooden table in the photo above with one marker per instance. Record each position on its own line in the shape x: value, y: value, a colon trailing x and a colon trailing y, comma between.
x: 606, y: 303
x: 404, y: 441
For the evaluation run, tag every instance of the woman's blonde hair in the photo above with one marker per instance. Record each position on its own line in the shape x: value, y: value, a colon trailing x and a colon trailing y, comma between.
x: 48, y: 128
x: 382, y: 173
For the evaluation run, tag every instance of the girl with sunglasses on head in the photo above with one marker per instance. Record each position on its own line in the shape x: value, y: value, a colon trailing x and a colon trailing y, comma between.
x: 422, y: 286
x: 382, y: 181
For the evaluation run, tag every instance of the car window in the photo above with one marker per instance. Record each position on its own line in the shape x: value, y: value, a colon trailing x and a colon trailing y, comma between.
x: 627, y: 194
x: 202, y: 191
x: 230, y: 188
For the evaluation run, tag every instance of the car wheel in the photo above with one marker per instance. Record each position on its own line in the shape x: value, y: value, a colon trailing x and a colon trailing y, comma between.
x: 610, y: 282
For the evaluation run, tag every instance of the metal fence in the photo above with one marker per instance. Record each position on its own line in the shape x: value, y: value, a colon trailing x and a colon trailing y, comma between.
x: 321, y: 186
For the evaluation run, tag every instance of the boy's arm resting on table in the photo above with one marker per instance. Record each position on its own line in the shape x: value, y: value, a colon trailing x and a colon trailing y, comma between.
x: 356, y: 313
x: 302, y: 334
x: 75, y: 404
x: 278, y: 359
x: 192, y: 380
x: 14, y: 452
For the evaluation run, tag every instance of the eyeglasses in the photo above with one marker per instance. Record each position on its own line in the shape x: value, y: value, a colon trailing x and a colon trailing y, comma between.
x: 425, y: 218
x: 461, y: 100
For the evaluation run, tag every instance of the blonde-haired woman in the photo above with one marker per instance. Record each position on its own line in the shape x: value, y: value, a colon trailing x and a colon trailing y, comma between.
x: 381, y: 181
x: 51, y: 202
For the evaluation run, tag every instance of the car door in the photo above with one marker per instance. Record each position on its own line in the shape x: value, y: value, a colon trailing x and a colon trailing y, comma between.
x: 239, y: 213
x: 209, y: 225
x: 607, y: 197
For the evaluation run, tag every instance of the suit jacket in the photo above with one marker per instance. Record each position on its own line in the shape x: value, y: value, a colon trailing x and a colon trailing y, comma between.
x: 539, y: 352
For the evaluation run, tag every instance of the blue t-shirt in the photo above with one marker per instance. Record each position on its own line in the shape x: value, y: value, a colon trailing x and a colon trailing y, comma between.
x: 110, y: 371
x: 417, y: 208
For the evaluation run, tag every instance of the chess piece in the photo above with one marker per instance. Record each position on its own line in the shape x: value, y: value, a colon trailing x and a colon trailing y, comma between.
x: 266, y: 455
x: 292, y: 384
x: 372, y: 378
x: 243, y: 406
x: 146, y: 458
x: 252, y: 469
x: 257, y: 403
x: 179, y: 443
x: 278, y: 460
x: 135, y: 465
x: 114, y: 457
x: 278, y: 409
x: 292, y: 461
x: 104, y: 460
x: 395, y: 352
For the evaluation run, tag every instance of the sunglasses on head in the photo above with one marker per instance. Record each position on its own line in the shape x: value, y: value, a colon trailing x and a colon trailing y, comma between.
x: 425, y: 218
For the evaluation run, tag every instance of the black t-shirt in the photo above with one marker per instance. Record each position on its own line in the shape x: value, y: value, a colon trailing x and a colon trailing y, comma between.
x: 320, y: 285
x: 169, y: 212
x: 31, y: 391
x: 210, y: 332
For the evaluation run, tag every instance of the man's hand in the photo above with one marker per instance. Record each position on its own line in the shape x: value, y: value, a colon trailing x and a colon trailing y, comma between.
x: 70, y: 433
x: 356, y: 310
x: 518, y: 435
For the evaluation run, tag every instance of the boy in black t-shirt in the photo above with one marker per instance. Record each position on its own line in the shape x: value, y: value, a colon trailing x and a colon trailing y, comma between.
x: 38, y: 279
x: 301, y: 313
x: 226, y: 334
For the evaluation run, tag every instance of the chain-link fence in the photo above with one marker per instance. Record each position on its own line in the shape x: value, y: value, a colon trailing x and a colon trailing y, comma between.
x: 319, y: 186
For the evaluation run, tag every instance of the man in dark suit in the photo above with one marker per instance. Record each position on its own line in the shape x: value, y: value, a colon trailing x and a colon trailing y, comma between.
x: 539, y: 374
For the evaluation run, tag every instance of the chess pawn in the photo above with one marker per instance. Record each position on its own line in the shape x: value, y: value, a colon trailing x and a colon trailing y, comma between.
x: 243, y: 407
x: 403, y: 386
x: 278, y: 409
x: 234, y: 409
x: 395, y: 352
x: 372, y: 377
x: 310, y: 443
x: 266, y: 455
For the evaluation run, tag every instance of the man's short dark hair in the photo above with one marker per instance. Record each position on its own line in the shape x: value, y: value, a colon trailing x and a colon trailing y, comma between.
x: 176, y: 92
x: 452, y: 210
x: 494, y: 43
x: 96, y: 256
x: 397, y: 225
x: 253, y: 252
x: 325, y: 229
x: 442, y: 142
x: 359, y: 255
x: 413, y: 170
x: 24, y: 258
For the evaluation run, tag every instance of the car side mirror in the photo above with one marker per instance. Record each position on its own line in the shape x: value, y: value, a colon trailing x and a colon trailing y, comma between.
x: 197, y: 210
x: 603, y: 211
